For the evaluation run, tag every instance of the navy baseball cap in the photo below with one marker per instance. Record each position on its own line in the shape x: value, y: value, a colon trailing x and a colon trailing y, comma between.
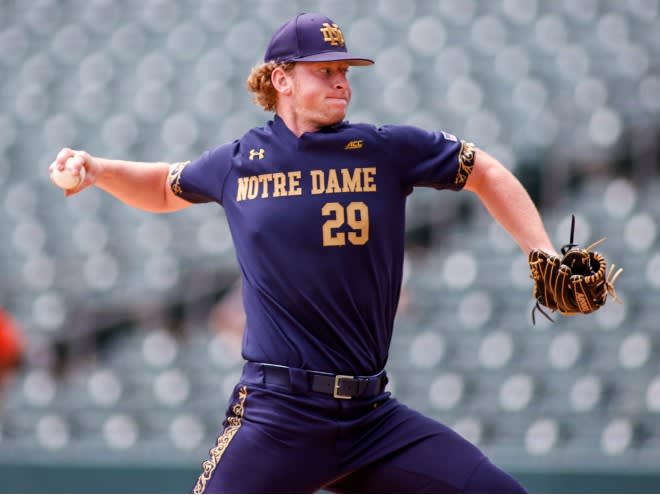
x: 310, y: 38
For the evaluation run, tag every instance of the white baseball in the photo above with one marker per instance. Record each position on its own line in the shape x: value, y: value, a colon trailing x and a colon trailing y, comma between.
x: 65, y: 178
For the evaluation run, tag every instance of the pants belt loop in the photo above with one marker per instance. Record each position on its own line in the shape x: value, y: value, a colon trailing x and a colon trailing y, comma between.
x: 299, y: 380
x: 255, y: 371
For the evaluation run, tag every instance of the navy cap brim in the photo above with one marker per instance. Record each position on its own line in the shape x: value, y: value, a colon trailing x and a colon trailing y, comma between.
x: 334, y: 57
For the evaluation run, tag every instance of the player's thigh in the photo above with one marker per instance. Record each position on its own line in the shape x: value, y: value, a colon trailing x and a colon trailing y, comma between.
x: 253, y: 463
x: 262, y: 451
x: 442, y: 463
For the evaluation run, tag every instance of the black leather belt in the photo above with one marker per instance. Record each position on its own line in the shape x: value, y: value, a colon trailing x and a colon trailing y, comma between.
x: 338, y: 386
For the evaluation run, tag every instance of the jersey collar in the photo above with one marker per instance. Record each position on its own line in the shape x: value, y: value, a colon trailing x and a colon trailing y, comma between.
x: 281, y: 129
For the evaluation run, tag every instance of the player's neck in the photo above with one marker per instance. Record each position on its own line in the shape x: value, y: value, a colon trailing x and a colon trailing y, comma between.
x: 299, y: 124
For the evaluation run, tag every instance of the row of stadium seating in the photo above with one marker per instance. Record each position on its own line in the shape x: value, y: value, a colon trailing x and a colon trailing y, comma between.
x: 112, y: 257
x: 505, y: 80
x: 153, y: 389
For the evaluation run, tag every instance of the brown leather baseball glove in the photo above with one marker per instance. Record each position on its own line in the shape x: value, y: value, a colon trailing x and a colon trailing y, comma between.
x: 576, y: 282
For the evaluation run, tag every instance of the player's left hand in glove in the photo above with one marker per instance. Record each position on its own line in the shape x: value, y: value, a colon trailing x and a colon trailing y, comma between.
x: 577, y: 282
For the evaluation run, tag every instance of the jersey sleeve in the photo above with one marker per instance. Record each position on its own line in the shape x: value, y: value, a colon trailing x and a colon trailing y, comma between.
x: 430, y: 158
x: 202, y: 180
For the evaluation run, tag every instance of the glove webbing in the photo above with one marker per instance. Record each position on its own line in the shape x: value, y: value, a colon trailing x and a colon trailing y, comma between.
x: 564, y: 249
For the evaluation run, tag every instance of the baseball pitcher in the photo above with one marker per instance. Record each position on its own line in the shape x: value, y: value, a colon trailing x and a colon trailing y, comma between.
x: 316, y: 209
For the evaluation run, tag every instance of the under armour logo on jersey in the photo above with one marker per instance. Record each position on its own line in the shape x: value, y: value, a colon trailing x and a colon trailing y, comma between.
x: 260, y: 153
x: 354, y: 145
x: 332, y: 34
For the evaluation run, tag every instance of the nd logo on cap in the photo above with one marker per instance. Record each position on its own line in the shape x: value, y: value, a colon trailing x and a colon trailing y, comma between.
x: 310, y: 38
x: 332, y: 34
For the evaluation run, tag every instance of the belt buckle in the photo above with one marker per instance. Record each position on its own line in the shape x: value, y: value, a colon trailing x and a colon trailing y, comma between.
x: 335, y: 390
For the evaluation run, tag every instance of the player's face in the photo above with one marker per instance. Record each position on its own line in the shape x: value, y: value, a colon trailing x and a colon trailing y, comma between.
x: 321, y: 91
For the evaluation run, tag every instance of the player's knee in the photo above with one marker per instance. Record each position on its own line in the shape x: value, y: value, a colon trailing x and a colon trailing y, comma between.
x: 488, y: 478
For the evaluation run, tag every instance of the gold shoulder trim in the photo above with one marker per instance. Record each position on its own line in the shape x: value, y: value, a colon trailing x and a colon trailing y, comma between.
x: 216, y: 453
x: 465, y: 162
x: 174, y: 176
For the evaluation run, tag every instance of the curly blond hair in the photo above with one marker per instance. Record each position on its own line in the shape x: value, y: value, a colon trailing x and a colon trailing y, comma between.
x: 259, y: 82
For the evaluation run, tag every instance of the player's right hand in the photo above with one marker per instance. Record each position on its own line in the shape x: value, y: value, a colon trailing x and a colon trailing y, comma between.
x: 76, y: 159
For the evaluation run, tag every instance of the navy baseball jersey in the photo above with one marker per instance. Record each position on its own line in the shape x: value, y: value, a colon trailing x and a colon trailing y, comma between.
x: 318, y: 227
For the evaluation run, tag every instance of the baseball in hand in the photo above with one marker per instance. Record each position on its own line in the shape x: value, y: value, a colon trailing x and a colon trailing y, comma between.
x: 65, y: 178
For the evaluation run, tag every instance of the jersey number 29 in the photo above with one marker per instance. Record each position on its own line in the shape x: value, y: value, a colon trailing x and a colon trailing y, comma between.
x: 355, y: 214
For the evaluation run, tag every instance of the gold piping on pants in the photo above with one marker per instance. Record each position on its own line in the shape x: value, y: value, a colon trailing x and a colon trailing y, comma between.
x: 233, y: 424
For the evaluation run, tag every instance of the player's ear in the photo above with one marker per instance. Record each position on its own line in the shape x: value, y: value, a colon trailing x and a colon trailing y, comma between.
x: 281, y: 80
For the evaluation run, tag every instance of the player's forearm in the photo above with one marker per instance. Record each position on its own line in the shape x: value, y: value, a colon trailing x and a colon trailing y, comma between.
x: 138, y: 184
x: 509, y: 204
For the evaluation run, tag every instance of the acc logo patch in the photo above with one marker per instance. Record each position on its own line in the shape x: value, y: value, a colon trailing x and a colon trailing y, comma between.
x: 356, y: 144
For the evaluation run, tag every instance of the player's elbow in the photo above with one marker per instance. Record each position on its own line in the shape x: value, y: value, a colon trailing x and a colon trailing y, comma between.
x: 486, y: 172
x: 172, y: 202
